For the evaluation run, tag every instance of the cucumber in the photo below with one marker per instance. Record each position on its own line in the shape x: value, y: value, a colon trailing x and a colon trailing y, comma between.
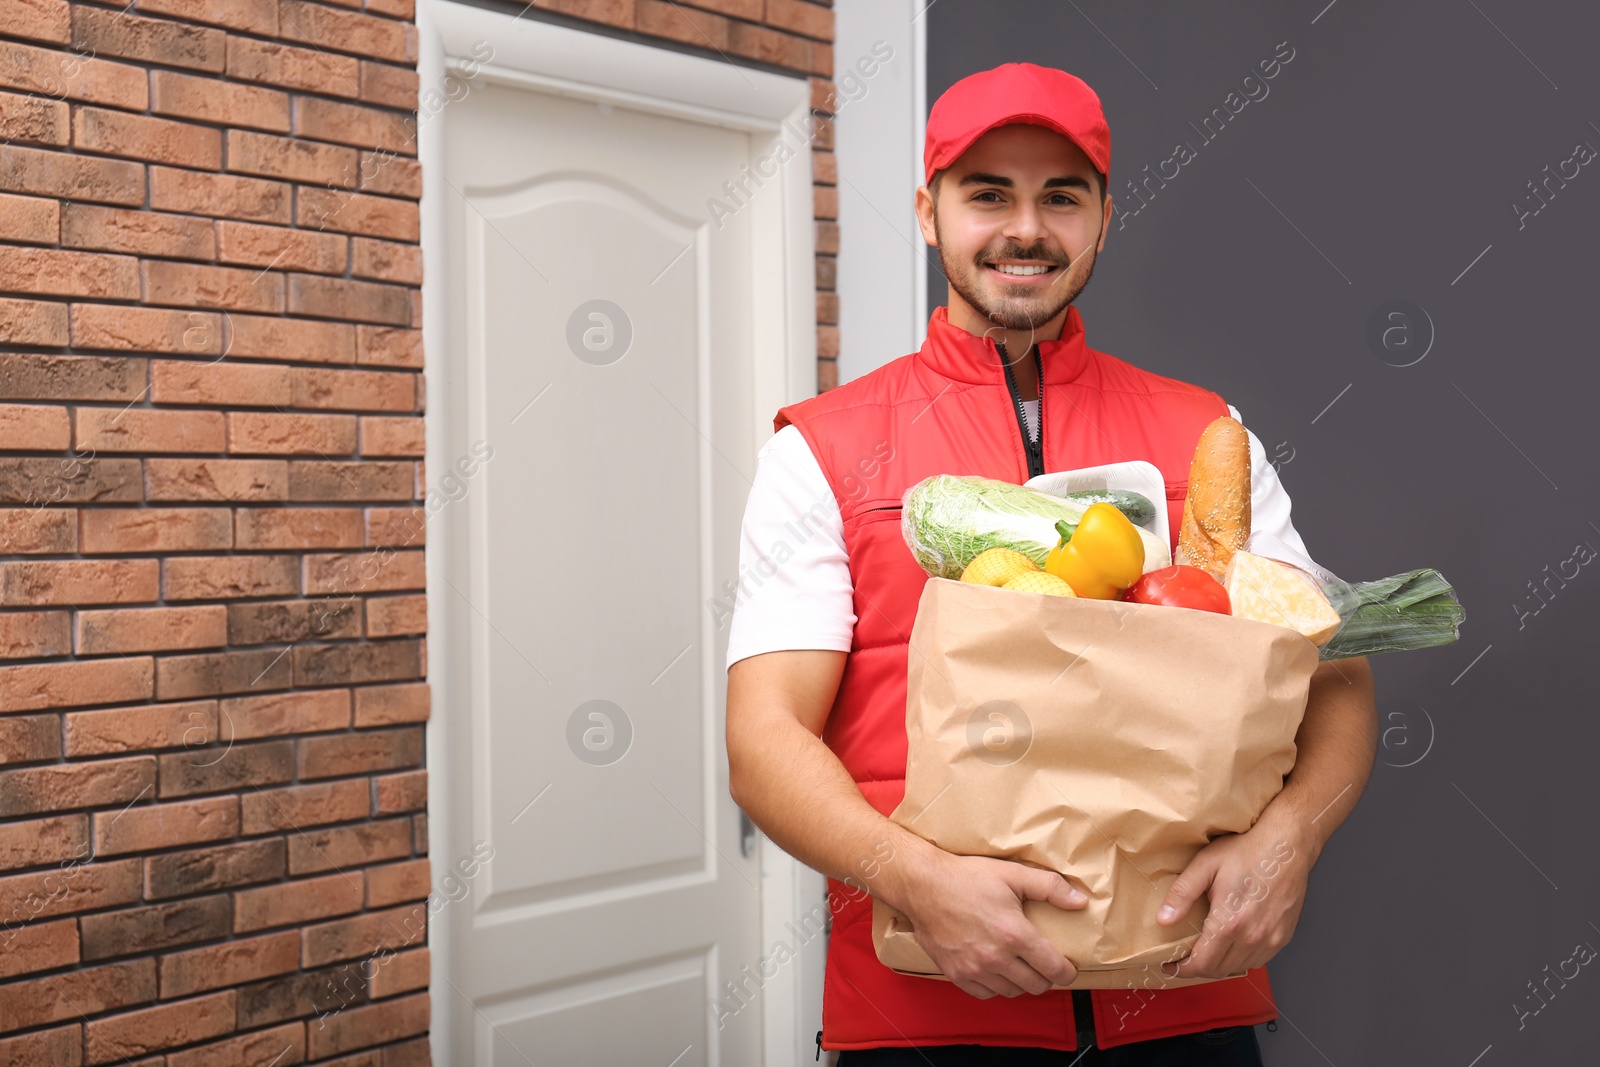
x: 1136, y: 506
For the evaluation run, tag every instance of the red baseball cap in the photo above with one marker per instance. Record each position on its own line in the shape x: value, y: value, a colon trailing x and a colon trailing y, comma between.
x: 1016, y: 92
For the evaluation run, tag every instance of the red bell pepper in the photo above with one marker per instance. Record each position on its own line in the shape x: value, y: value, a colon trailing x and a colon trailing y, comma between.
x: 1181, y: 586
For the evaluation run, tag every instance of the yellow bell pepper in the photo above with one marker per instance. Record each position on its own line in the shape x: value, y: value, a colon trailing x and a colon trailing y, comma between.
x: 1100, y: 556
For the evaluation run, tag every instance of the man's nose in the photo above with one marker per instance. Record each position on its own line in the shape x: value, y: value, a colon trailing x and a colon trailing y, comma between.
x: 1024, y: 225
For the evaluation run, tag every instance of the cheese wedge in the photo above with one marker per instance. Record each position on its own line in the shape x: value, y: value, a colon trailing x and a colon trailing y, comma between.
x: 1268, y: 591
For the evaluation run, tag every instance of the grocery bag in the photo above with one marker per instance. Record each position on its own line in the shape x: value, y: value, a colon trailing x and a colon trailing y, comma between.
x: 1104, y: 740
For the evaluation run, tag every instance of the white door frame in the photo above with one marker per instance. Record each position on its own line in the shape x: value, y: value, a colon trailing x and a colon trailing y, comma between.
x: 460, y: 46
x: 877, y: 143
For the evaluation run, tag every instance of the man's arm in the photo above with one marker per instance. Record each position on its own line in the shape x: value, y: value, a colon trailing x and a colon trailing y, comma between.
x: 1335, y: 748
x: 966, y: 909
x: 1256, y: 881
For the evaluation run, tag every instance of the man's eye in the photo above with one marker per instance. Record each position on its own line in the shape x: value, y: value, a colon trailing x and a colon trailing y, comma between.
x: 990, y: 196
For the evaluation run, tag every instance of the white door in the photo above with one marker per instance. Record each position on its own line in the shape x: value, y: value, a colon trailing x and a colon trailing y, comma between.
x: 601, y: 354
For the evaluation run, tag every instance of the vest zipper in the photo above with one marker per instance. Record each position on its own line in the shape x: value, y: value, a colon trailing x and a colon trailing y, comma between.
x: 1034, y: 450
x: 1083, y: 1016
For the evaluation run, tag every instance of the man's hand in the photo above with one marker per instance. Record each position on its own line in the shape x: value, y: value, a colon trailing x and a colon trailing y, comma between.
x: 1257, y: 885
x: 967, y: 911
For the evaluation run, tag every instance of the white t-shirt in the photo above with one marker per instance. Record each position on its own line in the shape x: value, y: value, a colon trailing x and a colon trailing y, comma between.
x: 794, y: 587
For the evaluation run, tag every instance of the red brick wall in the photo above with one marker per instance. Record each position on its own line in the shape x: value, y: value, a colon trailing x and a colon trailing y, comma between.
x: 213, y: 837
x: 212, y: 827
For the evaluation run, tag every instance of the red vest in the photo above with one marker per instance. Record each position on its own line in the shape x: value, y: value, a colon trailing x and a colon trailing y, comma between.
x: 946, y: 409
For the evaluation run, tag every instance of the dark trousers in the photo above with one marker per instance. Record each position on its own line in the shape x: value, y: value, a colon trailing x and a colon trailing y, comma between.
x: 1230, y: 1046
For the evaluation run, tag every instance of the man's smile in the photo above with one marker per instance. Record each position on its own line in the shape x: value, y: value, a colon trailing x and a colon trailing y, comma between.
x: 1014, y: 273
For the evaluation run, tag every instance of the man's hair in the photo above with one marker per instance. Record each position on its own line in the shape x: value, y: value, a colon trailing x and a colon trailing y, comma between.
x: 938, y: 178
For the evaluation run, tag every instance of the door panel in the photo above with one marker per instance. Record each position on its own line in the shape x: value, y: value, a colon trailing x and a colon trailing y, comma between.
x: 600, y: 517
x: 573, y: 1016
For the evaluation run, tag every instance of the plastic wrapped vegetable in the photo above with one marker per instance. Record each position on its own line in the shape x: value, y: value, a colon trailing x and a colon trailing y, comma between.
x: 947, y: 520
x: 1417, y: 609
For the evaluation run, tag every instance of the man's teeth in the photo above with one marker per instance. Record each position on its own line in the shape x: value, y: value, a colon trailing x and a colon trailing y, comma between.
x: 1008, y: 268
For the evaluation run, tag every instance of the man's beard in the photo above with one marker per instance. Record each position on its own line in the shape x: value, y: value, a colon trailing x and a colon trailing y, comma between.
x: 1018, y: 312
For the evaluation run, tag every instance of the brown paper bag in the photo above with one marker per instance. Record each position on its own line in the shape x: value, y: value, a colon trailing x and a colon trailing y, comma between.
x: 1103, y: 740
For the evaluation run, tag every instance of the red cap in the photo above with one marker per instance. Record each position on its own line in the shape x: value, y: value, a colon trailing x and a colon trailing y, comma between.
x: 1016, y: 92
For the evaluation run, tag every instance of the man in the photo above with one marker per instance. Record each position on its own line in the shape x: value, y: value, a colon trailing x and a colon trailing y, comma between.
x: 1017, y: 160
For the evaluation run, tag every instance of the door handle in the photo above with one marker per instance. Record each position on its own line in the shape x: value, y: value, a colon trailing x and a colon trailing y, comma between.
x: 747, y: 835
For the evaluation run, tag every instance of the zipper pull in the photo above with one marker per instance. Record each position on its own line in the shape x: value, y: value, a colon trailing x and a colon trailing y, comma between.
x: 819, y: 1045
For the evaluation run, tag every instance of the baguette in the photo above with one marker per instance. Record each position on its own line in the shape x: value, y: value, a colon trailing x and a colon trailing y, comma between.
x: 1216, y: 513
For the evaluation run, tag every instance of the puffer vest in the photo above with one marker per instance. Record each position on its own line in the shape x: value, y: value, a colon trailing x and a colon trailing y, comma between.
x: 949, y: 408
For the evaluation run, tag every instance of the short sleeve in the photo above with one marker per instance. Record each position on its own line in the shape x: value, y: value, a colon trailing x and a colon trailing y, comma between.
x: 795, y: 590
x: 1272, y: 534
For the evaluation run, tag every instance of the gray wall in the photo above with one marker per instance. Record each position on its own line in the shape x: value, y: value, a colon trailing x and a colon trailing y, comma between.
x: 1385, y: 157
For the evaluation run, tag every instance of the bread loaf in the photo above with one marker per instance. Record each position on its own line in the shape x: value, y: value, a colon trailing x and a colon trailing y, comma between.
x: 1216, y: 514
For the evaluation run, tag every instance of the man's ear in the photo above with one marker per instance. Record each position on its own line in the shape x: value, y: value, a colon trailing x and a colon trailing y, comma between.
x: 924, y: 204
x: 1105, y: 226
